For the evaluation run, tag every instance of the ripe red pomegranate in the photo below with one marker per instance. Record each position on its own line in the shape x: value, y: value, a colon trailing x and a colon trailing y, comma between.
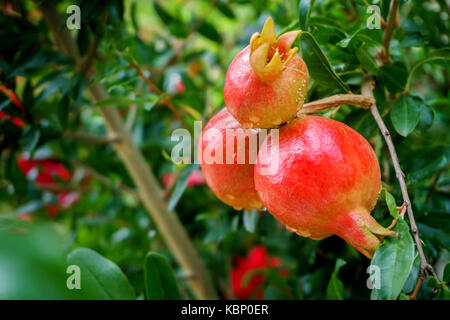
x: 266, y: 82
x: 327, y: 182
x: 248, y: 276
x: 232, y: 180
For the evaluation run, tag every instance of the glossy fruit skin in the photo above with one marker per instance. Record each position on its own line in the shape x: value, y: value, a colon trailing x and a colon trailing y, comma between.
x: 232, y: 183
x: 259, y: 104
x: 327, y: 183
x: 245, y: 285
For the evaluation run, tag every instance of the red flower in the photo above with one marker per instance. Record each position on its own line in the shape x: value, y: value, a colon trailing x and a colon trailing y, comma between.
x: 196, y: 178
x: 179, y: 86
x: 18, y: 122
x: 50, y: 171
x: 247, y: 278
x: 65, y: 200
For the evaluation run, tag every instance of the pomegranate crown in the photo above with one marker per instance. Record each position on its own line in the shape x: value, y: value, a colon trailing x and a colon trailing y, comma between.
x: 269, y: 56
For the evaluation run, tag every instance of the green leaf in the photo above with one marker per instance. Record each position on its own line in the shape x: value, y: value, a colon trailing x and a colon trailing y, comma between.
x: 447, y: 273
x: 175, y: 26
x: 394, y: 77
x: 28, y: 99
x: 444, y: 292
x: 304, y: 11
x: 432, y: 282
x: 30, y: 138
x: 133, y: 17
x: 433, y: 57
x: 394, y: 258
x: 366, y: 35
x: 100, y: 276
x: 390, y: 201
x: 366, y: 60
x: 426, y: 118
x: 180, y: 186
x: 319, y: 67
x: 403, y: 296
x: 427, y: 162
x: 405, y: 114
x: 335, y: 288
x: 250, y: 220
x: 226, y: 10
x: 209, y: 31
x: 413, y: 276
x: 166, y: 17
x: 160, y: 281
x: 294, y: 25
x: 119, y: 101
x: 435, y: 235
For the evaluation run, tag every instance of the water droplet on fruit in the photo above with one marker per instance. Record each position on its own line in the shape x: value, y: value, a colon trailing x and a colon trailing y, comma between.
x: 290, y: 229
x: 230, y: 196
x: 256, y: 204
x: 277, y: 121
x: 302, y: 233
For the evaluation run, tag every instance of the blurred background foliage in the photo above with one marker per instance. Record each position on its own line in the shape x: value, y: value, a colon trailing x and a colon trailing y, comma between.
x: 185, y: 47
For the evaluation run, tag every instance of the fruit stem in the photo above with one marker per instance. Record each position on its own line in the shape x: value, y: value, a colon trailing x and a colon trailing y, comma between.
x: 362, y: 231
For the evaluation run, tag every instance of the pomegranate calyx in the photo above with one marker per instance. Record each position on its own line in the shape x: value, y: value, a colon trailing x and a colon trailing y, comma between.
x: 269, y: 56
x: 362, y: 231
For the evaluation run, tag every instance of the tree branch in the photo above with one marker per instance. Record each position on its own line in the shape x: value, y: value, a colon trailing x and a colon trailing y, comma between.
x: 131, y: 117
x: 387, y: 35
x: 105, y: 180
x: 335, y: 101
x: 419, y: 282
x: 91, y: 138
x: 367, y: 89
x: 433, y: 185
x: 149, y: 190
x: 153, y: 87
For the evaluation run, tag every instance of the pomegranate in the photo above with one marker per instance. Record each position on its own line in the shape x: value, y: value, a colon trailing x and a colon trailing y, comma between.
x: 248, y: 276
x: 327, y: 182
x: 230, y: 179
x: 266, y: 82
